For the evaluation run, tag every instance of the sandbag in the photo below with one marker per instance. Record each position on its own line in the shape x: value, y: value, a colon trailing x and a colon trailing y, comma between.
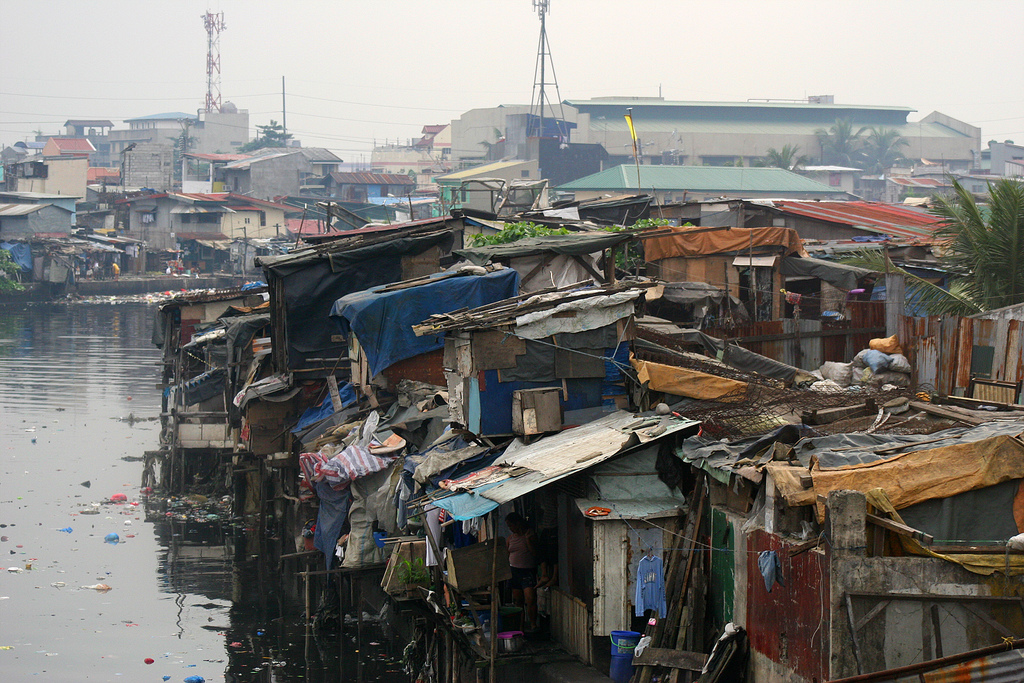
x: 840, y: 373
x: 897, y: 379
x: 899, y: 363
x: 886, y: 345
x: 861, y: 376
x: 870, y: 358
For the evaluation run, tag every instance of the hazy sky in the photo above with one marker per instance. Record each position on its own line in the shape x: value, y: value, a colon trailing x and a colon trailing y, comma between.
x: 380, y: 69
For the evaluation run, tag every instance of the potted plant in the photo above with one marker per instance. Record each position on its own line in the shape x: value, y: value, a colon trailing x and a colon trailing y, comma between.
x: 413, y: 573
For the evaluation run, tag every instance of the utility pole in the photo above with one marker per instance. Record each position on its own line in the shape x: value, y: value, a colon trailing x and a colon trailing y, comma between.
x: 284, y: 113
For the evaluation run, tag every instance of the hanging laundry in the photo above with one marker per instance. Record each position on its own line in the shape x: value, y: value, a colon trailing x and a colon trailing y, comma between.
x: 650, y: 586
x: 771, y: 569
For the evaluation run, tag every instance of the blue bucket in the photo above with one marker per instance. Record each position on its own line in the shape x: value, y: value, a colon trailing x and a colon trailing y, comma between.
x: 621, y: 669
x: 624, y: 642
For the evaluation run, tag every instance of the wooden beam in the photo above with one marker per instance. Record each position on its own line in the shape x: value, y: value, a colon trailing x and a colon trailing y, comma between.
x: 939, y: 411
x: 805, y: 334
x: 672, y: 659
x: 590, y: 269
x: 901, y: 529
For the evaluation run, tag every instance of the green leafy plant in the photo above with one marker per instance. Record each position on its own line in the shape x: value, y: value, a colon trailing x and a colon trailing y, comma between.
x: 413, y: 572
x: 9, y: 271
x: 516, y: 231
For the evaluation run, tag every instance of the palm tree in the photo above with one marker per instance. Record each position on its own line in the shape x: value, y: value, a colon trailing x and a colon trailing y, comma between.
x: 883, y: 149
x: 785, y: 158
x: 839, y: 144
x: 984, y: 251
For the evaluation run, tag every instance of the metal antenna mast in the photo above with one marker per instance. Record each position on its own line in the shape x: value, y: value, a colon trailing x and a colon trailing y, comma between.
x: 539, y: 99
x: 214, y: 24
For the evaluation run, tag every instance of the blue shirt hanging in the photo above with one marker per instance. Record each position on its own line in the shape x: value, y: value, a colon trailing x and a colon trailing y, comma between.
x: 650, y: 586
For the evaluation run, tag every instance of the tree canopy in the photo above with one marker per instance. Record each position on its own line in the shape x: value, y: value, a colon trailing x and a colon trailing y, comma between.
x: 984, y: 252
x: 882, y: 149
x: 788, y: 158
x: 270, y: 135
x: 839, y: 144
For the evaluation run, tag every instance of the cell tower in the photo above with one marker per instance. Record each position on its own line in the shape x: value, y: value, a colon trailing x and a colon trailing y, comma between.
x: 214, y: 25
x: 539, y: 99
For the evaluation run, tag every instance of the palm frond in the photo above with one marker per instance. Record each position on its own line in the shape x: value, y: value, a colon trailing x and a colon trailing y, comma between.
x: 959, y: 299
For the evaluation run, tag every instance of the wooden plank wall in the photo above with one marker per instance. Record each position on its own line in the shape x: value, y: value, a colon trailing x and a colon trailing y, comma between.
x: 570, y: 625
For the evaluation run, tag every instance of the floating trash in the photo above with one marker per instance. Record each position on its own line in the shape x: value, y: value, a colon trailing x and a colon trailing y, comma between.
x: 149, y: 660
x: 112, y: 538
x: 118, y: 498
x: 100, y: 587
x: 66, y: 530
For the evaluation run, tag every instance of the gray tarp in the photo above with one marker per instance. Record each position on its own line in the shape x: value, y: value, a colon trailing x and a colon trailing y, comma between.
x: 836, y: 274
x: 579, y: 244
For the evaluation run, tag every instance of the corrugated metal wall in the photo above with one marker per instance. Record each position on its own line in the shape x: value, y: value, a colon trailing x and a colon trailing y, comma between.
x: 941, y: 350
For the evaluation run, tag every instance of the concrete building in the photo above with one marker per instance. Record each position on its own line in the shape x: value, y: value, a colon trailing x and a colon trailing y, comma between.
x: 69, y: 147
x: 162, y: 129
x: 220, y: 132
x: 98, y: 133
x: 719, y: 133
x: 362, y: 187
x: 480, y: 134
x: 278, y: 171
x: 1007, y: 159
x: 430, y: 155
x: 148, y: 164
x: 164, y: 219
x: 56, y: 175
x: 842, y: 178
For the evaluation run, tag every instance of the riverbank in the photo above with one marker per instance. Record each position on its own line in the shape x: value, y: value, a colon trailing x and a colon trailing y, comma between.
x: 39, y: 292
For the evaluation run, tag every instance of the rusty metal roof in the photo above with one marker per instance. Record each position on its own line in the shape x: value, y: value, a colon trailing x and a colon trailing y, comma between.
x: 877, y: 217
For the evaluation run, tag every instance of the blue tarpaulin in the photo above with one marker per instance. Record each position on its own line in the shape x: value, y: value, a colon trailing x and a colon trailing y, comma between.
x: 326, y: 408
x: 382, y: 321
x: 468, y: 505
x: 20, y: 254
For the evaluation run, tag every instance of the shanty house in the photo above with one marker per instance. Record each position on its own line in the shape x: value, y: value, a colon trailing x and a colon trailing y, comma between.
x: 305, y: 283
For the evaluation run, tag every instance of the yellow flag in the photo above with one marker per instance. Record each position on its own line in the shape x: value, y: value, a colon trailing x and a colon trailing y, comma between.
x: 629, y: 122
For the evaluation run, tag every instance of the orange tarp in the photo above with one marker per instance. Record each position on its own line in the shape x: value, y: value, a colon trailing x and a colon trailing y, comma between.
x: 690, y: 242
x: 689, y: 383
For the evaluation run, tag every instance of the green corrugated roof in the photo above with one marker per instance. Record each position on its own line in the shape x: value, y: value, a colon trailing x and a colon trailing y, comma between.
x: 722, y: 179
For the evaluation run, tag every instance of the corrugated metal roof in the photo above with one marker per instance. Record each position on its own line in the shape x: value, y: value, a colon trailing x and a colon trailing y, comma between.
x: 479, y: 171
x: 20, y: 209
x: 648, y: 508
x: 887, y: 219
x: 525, y: 468
x: 372, y: 178
x: 1002, y: 667
x: 724, y: 179
x: 216, y: 157
x: 917, y: 182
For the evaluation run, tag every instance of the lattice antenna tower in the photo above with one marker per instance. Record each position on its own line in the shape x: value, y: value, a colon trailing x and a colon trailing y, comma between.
x: 539, y: 100
x: 214, y: 23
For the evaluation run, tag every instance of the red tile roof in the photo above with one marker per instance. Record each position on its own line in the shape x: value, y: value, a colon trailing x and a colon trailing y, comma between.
x: 96, y: 174
x: 73, y: 145
x: 876, y: 217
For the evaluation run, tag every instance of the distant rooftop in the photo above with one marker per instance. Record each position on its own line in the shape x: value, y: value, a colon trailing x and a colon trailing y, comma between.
x: 89, y: 123
x: 167, y: 116
x: 723, y: 179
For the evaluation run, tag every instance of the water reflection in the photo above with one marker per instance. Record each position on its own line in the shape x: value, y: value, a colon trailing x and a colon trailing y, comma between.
x: 191, y: 596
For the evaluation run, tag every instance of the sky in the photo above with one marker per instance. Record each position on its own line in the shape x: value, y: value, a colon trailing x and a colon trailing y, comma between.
x: 363, y: 73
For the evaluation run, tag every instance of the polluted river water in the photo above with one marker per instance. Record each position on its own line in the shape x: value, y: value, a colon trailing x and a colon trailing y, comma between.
x: 79, y: 406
